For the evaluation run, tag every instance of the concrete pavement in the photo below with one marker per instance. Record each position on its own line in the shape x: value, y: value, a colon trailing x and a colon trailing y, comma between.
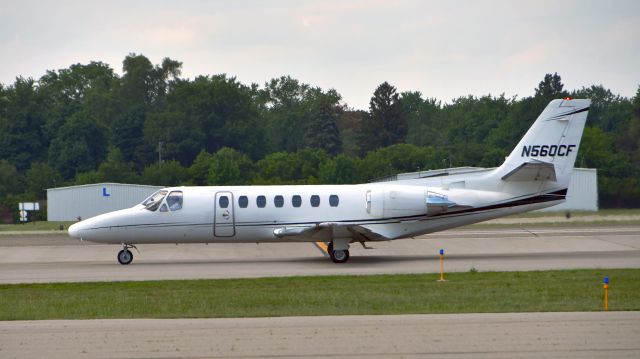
x: 50, y: 258
x: 502, y: 335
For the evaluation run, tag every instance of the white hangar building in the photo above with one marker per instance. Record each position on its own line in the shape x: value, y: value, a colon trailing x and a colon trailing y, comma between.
x: 69, y: 203
x: 582, y: 194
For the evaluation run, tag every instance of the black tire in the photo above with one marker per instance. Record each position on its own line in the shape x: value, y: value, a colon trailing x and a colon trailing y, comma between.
x: 330, y: 248
x: 339, y: 256
x: 125, y: 256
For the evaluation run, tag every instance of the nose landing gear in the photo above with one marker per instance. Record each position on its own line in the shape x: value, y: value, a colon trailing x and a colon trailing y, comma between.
x: 125, y: 256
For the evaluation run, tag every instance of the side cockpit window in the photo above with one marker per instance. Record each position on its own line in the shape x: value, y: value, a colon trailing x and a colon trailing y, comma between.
x: 153, y: 202
x: 174, y: 200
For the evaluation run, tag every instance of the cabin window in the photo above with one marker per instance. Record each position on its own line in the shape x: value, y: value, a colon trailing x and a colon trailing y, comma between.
x: 174, y: 200
x: 334, y: 200
x: 278, y: 201
x: 315, y: 200
x: 223, y: 201
x: 261, y: 201
x: 243, y: 202
x: 296, y: 201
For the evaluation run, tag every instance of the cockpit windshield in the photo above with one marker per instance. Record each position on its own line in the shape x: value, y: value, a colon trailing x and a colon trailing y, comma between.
x: 154, y: 200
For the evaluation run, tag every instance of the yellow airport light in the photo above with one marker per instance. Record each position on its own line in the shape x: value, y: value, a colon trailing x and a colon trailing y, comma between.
x: 606, y: 293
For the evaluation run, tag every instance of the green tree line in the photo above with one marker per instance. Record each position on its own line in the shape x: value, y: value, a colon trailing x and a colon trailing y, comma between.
x: 86, y: 124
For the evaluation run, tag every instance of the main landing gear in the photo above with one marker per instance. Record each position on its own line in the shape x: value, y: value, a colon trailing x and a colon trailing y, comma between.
x: 338, y: 255
x: 125, y: 256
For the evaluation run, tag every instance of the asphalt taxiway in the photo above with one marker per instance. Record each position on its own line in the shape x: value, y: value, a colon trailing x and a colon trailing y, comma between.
x: 53, y: 257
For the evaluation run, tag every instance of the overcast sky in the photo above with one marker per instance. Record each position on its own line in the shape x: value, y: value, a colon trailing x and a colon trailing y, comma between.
x: 444, y: 49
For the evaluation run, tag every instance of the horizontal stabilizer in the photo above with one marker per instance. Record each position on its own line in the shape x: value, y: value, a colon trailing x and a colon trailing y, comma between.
x: 533, y: 170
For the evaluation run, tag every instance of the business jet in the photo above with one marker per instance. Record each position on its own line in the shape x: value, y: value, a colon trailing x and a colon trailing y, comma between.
x: 535, y: 175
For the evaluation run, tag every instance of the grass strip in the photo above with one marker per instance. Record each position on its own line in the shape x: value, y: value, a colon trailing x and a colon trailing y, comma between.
x: 35, y: 226
x: 537, y: 291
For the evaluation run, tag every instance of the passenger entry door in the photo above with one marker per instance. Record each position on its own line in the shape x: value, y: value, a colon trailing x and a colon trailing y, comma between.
x: 223, y: 220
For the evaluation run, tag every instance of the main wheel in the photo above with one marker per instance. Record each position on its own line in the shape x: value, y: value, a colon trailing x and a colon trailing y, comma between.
x: 330, y: 248
x: 125, y: 256
x: 339, y: 256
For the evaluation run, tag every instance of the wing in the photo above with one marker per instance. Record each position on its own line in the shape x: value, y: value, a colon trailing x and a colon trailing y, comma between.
x: 325, y: 231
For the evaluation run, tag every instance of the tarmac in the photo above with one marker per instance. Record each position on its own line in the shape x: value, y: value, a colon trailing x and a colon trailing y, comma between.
x: 54, y: 257
x: 31, y: 258
x: 501, y: 335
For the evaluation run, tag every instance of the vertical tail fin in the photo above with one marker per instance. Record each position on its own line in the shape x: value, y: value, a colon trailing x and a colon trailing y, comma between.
x: 548, y: 150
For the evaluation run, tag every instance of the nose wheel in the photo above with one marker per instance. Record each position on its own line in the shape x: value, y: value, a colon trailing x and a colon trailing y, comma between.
x: 125, y: 256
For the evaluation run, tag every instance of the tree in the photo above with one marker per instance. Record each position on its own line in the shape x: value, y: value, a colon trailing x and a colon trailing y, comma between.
x: 608, y: 112
x: 116, y: 168
x: 323, y: 132
x: 9, y: 179
x: 145, y: 84
x: 126, y: 135
x: 422, y: 120
x: 340, y: 170
x: 230, y: 167
x: 301, y: 167
x: 469, y: 123
x: 399, y: 158
x: 350, y: 124
x: 387, y: 120
x: 208, y: 113
x: 288, y: 107
x: 199, y: 169
x: 550, y: 87
x: 79, y: 146
x: 22, y: 138
x: 169, y: 173
x: 39, y: 177
x: 181, y: 135
x: 78, y: 88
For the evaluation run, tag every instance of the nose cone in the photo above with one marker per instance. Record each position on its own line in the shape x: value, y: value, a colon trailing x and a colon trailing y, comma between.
x: 75, y: 230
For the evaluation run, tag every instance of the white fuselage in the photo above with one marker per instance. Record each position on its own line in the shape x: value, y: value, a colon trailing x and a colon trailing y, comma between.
x: 392, y: 210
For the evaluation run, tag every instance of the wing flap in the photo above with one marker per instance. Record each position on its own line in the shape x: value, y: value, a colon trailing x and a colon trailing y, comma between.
x: 327, y: 230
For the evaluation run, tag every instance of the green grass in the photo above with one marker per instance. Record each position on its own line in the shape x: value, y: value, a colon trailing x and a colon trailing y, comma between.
x: 572, y: 290
x: 34, y: 226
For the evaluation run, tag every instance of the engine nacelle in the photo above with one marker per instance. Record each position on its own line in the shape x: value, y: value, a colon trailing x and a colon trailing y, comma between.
x: 403, y: 201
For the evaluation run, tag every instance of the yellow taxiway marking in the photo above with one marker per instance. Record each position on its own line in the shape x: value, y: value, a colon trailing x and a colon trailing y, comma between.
x: 322, y: 247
